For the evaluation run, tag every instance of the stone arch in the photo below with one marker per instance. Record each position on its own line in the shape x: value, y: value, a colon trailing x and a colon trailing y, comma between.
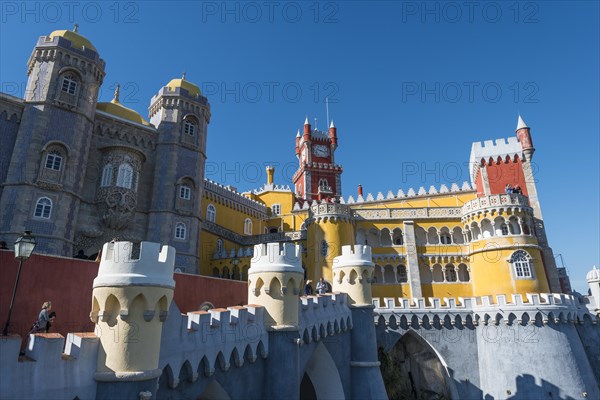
x: 475, y: 231
x: 500, y: 226
x: 275, y: 289
x: 445, y: 235
x: 373, y: 237
x: 257, y: 288
x: 397, y: 237
x: 425, y: 273
x: 353, y: 277
x: 321, y: 378
x: 487, y: 229
x: 420, y: 236
x: 186, y: 373
x: 386, y: 238
x: 457, y: 235
x: 432, y: 236
x: 424, y: 371
x: 377, y: 274
x: 437, y: 274
x: 389, y: 275
x: 463, y: 273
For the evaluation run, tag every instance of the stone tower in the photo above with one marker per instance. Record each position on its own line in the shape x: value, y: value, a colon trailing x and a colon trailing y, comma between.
x: 130, y: 302
x: 181, y: 115
x: 42, y: 191
x: 275, y: 279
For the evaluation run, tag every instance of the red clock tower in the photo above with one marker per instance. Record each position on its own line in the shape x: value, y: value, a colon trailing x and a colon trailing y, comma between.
x: 318, y: 177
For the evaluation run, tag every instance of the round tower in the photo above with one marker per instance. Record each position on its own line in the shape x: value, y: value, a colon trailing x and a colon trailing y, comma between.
x: 274, y: 282
x: 329, y: 227
x: 593, y: 280
x: 505, y: 256
x: 352, y: 273
x: 130, y: 302
x: 524, y: 134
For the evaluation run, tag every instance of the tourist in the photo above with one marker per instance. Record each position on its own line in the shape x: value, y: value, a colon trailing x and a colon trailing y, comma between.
x: 321, y: 286
x: 44, y: 318
x: 508, y: 189
x: 308, y: 289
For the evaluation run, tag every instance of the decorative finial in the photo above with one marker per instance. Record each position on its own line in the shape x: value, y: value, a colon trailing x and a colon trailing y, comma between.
x: 117, y: 92
x: 75, y: 27
x: 521, y: 124
x: 332, y: 125
x: 306, y: 121
x: 298, y: 134
x: 183, y: 76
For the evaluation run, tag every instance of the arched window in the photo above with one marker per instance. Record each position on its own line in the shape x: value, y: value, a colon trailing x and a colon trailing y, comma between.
x: 219, y: 246
x: 43, y: 208
x: 437, y: 274
x: 463, y: 273
x: 402, y: 274
x: 211, y: 213
x: 445, y: 237
x: 106, y: 175
x: 397, y: 237
x: 521, y: 263
x: 125, y: 176
x: 450, y: 273
x: 185, y: 192
x: 180, y: 230
x: 189, y: 127
x: 69, y: 84
x: 248, y: 226
x: 54, y: 160
x: 323, y: 184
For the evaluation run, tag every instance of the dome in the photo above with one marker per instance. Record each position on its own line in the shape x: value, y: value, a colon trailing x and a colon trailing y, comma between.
x: 192, y: 89
x: 117, y: 109
x: 593, y: 275
x: 74, y: 37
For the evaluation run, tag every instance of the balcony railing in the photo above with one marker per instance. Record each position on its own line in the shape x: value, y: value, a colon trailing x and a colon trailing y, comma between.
x: 495, y: 200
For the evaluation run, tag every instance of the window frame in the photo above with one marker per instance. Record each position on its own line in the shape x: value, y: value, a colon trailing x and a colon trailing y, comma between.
x: 180, y: 231
x: 185, y: 192
x: 211, y: 213
x: 276, y: 209
x: 521, y: 264
x: 43, y: 209
x: 56, y: 157
x: 107, y: 175
x: 71, y: 84
x: 247, y: 226
x: 123, y: 180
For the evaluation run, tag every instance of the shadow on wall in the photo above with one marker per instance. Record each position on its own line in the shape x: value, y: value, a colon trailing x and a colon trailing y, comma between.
x: 527, y: 389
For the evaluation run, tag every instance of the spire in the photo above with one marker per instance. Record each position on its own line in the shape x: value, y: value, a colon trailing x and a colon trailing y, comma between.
x: 332, y: 125
x: 521, y: 124
x: 298, y: 134
x: 117, y: 92
x: 76, y: 28
x: 306, y: 121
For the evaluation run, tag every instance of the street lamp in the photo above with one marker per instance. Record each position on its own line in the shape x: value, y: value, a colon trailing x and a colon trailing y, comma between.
x: 23, y: 248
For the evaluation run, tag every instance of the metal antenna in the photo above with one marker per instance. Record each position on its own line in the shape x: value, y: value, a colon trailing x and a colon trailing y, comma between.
x: 327, y: 109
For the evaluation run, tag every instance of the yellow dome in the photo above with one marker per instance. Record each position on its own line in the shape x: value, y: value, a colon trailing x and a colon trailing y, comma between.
x: 192, y: 89
x: 119, y: 110
x: 75, y: 38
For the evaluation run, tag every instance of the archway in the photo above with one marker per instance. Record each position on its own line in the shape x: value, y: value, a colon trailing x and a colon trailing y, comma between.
x: 413, y: 369
x: 321, y: 379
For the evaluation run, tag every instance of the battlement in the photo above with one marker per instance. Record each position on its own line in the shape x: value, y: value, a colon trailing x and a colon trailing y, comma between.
x: 354, y: 256
x: 276, y: 257
x: 153, y: 267
x: 324, y: 315
x: 411, y: 193
x: 502, y: 148
x: 209, y: 339
x: 70, y: 373
x: 539, y: 308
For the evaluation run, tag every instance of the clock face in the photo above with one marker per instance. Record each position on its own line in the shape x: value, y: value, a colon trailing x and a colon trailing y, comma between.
x: 320, y: 150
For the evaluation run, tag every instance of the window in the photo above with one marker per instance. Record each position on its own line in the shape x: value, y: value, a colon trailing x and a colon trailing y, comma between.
x: 180, y: 230
x: 324, y: 185
x: 445, y: 239
x: 43, y: 208
x: 69, y: 84
x: 54, y: 160
x: 219, y: 246
x: 211, y: 213
x: 276, y: 209
x: 450, y: 273
x: 504, y: 229
x: 185, y: 192
x: 402, y: 274
x: 248, y: 226
x: 125, y: 176
x: 106, y: 175
x: 189, y: 127
x: 521, y: 262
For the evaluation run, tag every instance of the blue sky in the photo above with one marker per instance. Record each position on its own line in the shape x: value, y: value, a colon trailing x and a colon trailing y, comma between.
x: 411, y: 85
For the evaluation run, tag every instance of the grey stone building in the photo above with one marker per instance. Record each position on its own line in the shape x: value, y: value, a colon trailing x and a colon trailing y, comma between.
x: 78, y: 173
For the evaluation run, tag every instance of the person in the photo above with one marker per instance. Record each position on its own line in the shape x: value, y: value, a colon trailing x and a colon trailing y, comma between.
x: 81, y: 254
x: 308, y: 289
x: 3, y: 245
x: 517, y: 189
x: 41, y: 326
x: 508, y: 189
x: 321, y: 286
x: 51, y: 318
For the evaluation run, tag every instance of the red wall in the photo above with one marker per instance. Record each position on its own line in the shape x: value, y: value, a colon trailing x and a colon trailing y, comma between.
x: 67, y: 283
x: 501, y: 174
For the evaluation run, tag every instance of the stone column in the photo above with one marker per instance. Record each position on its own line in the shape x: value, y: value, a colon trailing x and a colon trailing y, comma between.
x: 414, y: 278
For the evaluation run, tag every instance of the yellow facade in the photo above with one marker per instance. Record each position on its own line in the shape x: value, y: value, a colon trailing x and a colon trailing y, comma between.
x: 461, y: 248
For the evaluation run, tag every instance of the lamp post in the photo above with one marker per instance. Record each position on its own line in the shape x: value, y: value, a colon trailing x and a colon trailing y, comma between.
x: 23, y: 248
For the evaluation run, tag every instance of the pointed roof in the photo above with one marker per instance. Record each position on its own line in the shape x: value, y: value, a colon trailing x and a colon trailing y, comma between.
x: 521, y: 124
x: 306, y: 121
x: 298, y: 134
x: 332, y: 124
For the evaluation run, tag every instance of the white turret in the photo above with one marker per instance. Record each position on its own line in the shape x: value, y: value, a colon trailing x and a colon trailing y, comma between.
x: 352, y: 273
x: 593, y: 280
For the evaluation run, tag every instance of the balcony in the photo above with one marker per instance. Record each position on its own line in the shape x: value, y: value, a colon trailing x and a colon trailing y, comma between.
x: 495, y: 201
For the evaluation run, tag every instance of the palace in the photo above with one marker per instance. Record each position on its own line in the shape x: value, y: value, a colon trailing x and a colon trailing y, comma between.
x: 82, y: 174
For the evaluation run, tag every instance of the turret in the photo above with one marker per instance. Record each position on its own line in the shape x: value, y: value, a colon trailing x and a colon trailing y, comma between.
x: 359, y: 190
x: 524, y: 135
x: 270, y: 172
x: 352, y: 273
x: 130, y: 302
x: 307, y: 130
x: 593, y: 280
x: 298, y: 137
x: 333, y: 135
x: 274, y: 282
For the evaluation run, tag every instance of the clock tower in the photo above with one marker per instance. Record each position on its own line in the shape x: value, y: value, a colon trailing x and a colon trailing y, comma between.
x: 318, y: 176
